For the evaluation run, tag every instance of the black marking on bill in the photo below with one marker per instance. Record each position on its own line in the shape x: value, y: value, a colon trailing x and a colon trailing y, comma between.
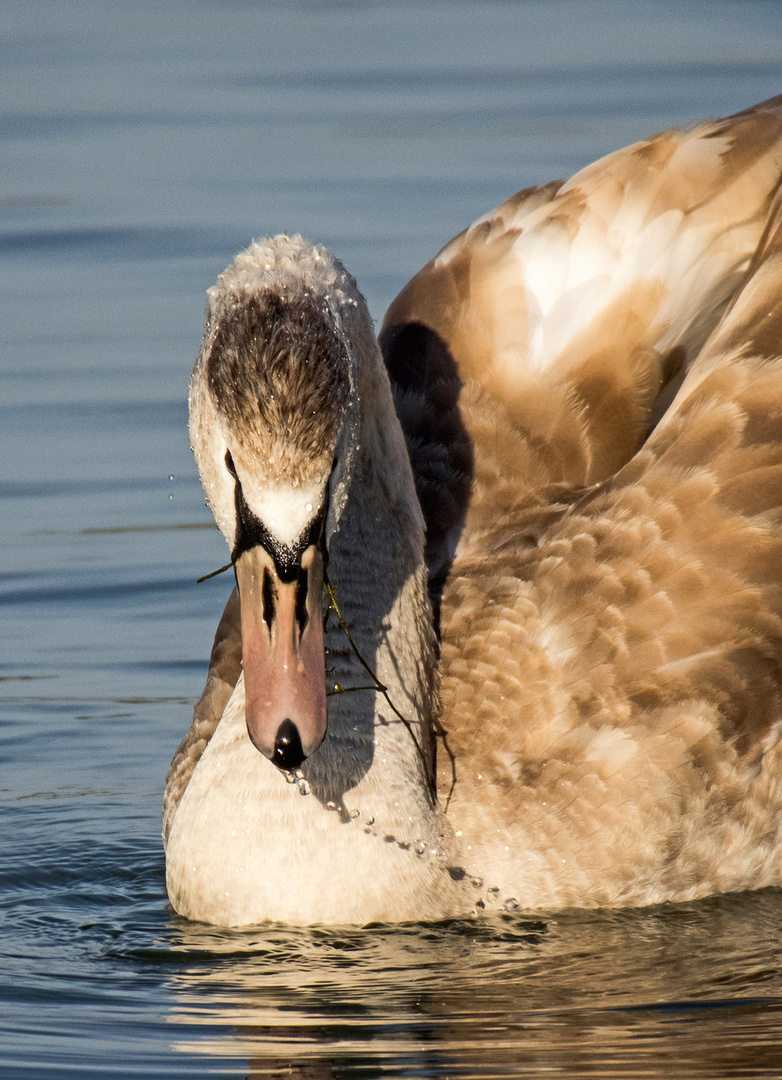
x: 251, y: 532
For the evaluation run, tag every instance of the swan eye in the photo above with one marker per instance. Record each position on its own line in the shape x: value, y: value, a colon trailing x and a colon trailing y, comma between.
x: 229, y: 464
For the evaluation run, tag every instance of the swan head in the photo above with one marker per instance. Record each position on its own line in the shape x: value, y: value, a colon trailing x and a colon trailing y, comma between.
x: 273, y: 418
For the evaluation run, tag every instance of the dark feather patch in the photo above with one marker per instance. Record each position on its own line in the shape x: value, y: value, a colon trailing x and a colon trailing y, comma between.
x: 427, y: 387
x: 277, y: 365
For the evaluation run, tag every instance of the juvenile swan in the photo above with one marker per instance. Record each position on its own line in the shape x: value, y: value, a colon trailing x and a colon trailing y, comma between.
x: 507, y: 629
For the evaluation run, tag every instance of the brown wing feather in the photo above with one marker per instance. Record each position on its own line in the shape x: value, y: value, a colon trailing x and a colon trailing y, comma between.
x: 640, y: 642
x: 570, y: 309
x: 225, y: 666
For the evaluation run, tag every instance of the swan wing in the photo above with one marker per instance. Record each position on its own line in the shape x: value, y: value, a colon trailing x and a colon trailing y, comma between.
x: 617, y: 686
x: 225, y: 667
x: 573, y: 311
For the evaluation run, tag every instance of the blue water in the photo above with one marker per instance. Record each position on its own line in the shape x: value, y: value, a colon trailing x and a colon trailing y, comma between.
x: 143, y: 144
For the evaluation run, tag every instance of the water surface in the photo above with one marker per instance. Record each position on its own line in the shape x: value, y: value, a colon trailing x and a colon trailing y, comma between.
x: 142, y: 146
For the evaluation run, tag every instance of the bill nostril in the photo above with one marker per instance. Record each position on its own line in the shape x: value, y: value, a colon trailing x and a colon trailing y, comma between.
x: 288, y: 753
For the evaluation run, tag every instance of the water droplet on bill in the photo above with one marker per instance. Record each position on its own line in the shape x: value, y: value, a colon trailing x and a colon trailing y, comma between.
x: 296, y: 776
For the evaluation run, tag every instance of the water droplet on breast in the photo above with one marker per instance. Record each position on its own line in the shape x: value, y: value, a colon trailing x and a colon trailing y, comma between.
x: 296, y: 776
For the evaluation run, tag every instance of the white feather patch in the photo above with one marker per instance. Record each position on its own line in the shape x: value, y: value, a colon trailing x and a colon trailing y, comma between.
x: 285, y: 511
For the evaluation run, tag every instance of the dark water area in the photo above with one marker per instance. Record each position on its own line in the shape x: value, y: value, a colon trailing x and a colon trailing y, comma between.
x: 142, y: 145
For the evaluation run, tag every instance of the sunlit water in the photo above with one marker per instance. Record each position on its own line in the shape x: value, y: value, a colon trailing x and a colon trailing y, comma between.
x: 142, y: 145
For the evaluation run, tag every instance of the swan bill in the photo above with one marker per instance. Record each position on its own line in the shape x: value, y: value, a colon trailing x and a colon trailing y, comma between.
x: 283, y: 654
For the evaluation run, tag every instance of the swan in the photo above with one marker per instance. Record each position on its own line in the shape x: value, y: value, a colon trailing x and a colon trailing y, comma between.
x: 507, y: 630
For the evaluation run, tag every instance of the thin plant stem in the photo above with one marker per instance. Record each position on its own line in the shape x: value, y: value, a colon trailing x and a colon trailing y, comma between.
x: 378, y: 686
x: 214, y: 573
x: 347, y: 689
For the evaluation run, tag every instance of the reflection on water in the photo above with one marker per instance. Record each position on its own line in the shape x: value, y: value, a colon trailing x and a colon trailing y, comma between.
x: 700, y: 988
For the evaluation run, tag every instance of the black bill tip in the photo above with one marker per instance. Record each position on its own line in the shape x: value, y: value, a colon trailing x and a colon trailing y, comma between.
x: 288, y: 753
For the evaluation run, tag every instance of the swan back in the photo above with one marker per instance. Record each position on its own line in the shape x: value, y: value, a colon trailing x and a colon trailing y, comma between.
x: 612, y: 574
x: 573, y: 305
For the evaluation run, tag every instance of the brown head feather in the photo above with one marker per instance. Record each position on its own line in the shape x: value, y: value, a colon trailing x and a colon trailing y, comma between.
x: 278, y: 371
